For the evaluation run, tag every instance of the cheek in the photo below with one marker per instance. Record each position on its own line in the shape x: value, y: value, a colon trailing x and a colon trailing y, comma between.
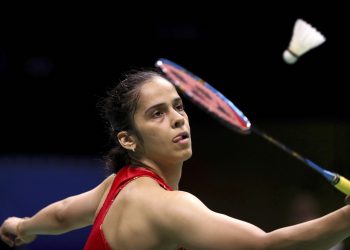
x: 156, y: 137
x: 157, y: 140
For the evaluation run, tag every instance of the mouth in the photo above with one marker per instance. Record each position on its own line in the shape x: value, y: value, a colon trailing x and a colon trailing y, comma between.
x: 181, y: 138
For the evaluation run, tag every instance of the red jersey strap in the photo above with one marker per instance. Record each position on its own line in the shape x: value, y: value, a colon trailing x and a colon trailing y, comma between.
x: 96, y: 240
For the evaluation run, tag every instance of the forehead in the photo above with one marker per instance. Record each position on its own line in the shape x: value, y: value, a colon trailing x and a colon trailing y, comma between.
x: 158, y: 90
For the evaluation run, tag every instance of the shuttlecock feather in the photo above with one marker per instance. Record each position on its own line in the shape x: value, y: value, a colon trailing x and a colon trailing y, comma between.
x: 304, y: 38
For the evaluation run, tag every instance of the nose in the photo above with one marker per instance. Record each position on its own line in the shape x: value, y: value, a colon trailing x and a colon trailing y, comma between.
x: 178, y: 120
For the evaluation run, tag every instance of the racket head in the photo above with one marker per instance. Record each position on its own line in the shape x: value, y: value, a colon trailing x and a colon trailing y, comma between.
x: 205, y: 96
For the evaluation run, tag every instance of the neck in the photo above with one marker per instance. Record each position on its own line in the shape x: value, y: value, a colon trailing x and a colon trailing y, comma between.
x: 170, y: 173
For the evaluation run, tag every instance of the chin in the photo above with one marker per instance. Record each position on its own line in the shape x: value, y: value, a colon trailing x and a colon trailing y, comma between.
x: 187, y: 155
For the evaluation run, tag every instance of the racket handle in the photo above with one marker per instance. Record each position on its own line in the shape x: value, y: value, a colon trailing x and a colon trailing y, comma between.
x: 342, y: 184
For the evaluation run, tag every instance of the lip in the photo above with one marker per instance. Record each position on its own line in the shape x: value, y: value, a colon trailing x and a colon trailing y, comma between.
x: 181, y: 137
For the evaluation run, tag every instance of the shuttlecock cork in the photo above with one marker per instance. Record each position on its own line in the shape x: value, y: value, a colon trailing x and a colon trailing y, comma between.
x: 304, y: 38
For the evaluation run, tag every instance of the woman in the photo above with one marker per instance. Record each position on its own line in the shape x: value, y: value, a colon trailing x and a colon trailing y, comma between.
x: 136, y: 209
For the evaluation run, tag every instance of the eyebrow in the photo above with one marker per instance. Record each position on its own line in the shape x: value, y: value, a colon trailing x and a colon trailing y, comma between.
x: 177, y: 99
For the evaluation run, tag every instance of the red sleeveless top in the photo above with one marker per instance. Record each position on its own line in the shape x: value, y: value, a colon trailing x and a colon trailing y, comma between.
x: 96, y: 240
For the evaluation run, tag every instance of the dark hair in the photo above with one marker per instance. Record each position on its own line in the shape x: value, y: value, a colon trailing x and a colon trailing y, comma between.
x: 118, y: 109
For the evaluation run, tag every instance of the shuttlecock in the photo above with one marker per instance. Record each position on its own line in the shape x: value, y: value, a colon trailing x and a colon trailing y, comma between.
x: 304, y: 38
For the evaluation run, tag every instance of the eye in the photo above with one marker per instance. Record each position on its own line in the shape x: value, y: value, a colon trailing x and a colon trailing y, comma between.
x: 180, y: 107
x: 157, y: 114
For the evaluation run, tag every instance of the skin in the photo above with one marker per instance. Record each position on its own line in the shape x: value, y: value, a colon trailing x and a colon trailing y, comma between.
x: 167, y: 219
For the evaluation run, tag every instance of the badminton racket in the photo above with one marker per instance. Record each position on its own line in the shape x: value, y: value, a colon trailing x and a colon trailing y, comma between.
x: 218, y: 106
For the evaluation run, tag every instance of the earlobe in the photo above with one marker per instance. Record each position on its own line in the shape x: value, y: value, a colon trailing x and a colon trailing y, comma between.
x: 126, y: 141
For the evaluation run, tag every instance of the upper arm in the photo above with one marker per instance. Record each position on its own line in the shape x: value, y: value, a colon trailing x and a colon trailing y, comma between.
x: 194, y: 226
x: 79, y: 210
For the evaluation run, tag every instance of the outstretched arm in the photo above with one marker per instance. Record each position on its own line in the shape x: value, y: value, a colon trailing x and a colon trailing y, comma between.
x: 321, y: 233
x: 71, y: 213
x: 194, y: 226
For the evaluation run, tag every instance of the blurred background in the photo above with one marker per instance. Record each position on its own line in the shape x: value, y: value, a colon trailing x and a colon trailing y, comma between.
x: 57, y: 61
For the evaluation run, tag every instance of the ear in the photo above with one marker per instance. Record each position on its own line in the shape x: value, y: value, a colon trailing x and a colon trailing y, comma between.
x: 127, y: 141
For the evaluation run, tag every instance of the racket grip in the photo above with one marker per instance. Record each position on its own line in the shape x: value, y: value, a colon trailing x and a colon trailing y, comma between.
x: 342, y: 184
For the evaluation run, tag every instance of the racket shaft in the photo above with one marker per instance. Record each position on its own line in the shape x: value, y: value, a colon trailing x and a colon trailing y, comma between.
x: 338, y: 181
x: 289, y: 151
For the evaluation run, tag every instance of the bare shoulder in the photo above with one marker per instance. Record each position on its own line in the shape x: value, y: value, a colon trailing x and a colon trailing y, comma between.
x: 181, y: 217
x: 101, y: 191
x: 163, y: 207
x: 146, y: 189
x: 105, y: 184
x: 109, y: 179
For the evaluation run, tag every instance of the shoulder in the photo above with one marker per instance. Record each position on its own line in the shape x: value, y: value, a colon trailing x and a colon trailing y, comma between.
x: 100, y: 190
x: 162, y: 207
x: 146, y: 189
x: 179, y: 217
x: 154, y: 200
x: 108, y: 180
x: 175, y: 216
x: 106, y: 183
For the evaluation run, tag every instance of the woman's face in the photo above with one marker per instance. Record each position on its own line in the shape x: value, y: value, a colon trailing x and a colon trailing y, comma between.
x: 162, y: 123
